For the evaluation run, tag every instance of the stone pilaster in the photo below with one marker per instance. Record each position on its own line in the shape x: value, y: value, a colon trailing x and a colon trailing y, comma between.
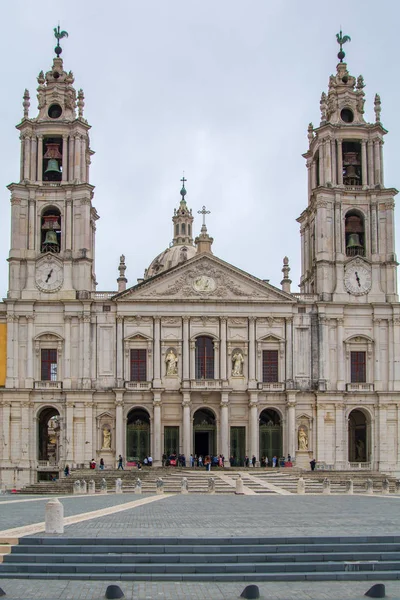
x: 253, y: 422
x: 224, y: 428
x: 157, y: 454
x: 186, y: 403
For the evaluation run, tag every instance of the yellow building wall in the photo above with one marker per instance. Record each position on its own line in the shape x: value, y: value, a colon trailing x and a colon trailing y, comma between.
x: 3, y: 353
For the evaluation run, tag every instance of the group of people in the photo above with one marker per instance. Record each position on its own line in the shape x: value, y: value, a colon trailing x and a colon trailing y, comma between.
x: 93, y: 464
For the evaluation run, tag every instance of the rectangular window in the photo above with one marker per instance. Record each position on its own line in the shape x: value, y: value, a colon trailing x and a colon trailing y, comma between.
x: 270, y: 366
x: 138, y: 365
x: 358, y: 367
x: 48, y: 365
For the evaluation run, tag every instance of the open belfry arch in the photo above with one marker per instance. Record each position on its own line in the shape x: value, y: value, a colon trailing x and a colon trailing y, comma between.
x: 199, y: 357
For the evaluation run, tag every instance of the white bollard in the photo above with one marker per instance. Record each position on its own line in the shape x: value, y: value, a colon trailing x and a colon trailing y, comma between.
x: 159, y: 486
x: 385, y: 487
x: 326, y: 486
x: 211, y: 485
x: 77, y: 487
x: 239, y: 486
x: 349, y: 486
x: 103, y: 486
x: 92, y: 487
x: 184, y: 486
x: 369, y: 487
x: 118, y: 486
x: 83, y: 487
x: 54, y: 516
x: 138, y: 487
x: 301, y: 486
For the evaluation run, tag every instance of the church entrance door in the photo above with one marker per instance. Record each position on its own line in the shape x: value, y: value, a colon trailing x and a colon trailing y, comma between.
x: 49, y: 436
x: 204, y: 433
x: 137, y: 435
x: 238, y: 446
x: 270, y: 435
x: 359, y: 437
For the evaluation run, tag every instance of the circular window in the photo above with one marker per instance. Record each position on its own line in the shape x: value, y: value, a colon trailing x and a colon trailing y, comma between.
x: 347, y: 115
x: 55, y: 111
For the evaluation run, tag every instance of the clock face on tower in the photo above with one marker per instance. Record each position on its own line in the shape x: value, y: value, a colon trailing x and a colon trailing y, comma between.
x: 49, y: 275
x: 357, y: 279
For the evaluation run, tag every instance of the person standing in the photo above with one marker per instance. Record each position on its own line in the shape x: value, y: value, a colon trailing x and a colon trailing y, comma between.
x: 274, y: 461
x: 150, y: 461
x: 102, y: 464
x: 120, y: 462
x: 253, y: 461
x: 312, y: 464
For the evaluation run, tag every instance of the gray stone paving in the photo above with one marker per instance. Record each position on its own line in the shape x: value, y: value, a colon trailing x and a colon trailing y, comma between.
x: 211, y: 516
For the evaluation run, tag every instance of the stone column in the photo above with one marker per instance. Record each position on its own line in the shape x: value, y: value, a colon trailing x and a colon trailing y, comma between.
x: 67, y: 356
x: 289, y: 351
x: 319, y: 451
x: 16, y: 351
x: 223, y: 374
x: 186, y: 426
x: 29, y: 352
x: 65, y: 159
x: 364, y: 171
x: 341, y: 384
x: 157, y: 454
x: 31, y: 226
x: 89, y: 450
x: 216, y: 359
x: 224, y: 434
x: 157, y: 352
x: 119, y: 424
x: 321, y: 166
x: 5, y: 424
x: 313, y: 175
x: 323, y: 350
x: 328, y: 162
x: 381, y: 162
x: 339, y: 163
x: 340, y: 446
x: 185, y: 347
x: 254, y: 430
x: 10, y: 351
x: 33, y: 158
x: 71, y: 158
x: 40, y: 159
x: 68, y: 224
x: 391, y: 355
x: 21, y: 158
x: 371, y: 178
x: 377, y: 357
x: 86, y: 351
x: 83, y: 158
x: 120, y: 353
x: 77, y: 168
x: 252, y: 349
x: 377, y: 161
x: 374, y: 228
x: 334, y: 163
x: 27, y: 156
x: 69, y: 433
x: 291, y: 424
x: 309, y: 178
x: 192, y: 359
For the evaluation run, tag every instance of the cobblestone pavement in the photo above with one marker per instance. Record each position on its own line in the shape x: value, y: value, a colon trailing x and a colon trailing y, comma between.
x: 85, y: 590
x: 209, y: 516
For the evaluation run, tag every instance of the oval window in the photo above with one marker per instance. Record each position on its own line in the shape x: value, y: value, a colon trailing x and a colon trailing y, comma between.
x: 55, y: 111
x: 347, y: 115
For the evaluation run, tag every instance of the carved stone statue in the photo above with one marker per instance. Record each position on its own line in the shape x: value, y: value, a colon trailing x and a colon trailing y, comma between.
x: 171, y: 361
x: 106, y: 439
x: 237, y: 363
x: 303, y: 439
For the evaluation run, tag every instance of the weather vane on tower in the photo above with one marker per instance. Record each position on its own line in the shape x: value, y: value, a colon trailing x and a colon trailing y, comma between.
x: 59, y: 35
x: 342, y: 39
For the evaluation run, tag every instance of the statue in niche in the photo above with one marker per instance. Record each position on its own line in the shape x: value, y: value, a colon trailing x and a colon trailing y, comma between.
x: 171, y: 361
x: 106, y: 439
x: 237, y: 363
x: 360, y: 450
x: 303, y: 439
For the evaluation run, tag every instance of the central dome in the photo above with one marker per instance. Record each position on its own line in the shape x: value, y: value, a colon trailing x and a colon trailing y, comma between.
x: 171, y: 257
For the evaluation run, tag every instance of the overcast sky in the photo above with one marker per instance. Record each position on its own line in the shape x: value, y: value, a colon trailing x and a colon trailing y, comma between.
x: 222, y: 89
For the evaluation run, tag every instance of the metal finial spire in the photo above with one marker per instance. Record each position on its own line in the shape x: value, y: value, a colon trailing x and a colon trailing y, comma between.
x: 59, y: 35
x: 342, y: 39
x: 183, y: 190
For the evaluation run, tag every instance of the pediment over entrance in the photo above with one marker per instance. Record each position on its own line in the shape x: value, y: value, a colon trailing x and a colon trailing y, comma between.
x: 205, y: 277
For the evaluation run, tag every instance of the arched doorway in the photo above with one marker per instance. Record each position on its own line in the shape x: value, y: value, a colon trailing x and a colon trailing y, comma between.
x: 204, y: 432
x: 270, y: 434
x: 359, y: 437
x: 49, y: 435
x: 137, y: 435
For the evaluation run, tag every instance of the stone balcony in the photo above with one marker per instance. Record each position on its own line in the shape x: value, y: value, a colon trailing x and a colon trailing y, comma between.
x: 360, y: 387
x: 271, y: 387
x: 206, y: 384
x: 48, y: 385
x: 138, y: 386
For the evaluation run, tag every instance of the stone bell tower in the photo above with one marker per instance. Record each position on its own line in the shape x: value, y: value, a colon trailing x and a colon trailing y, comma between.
x: 52, y: 217
x: 347, y: 229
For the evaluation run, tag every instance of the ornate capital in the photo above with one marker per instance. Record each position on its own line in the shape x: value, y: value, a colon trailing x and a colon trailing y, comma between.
x: 119, y: 319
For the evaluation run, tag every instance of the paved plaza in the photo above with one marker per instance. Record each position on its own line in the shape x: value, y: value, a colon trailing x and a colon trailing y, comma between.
x: 194, y: 515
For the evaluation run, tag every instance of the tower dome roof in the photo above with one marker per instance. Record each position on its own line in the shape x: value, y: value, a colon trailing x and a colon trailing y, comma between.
x: 182, y: 247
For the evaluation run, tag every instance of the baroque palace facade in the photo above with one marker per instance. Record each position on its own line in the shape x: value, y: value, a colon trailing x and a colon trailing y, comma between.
x: 199, y: 357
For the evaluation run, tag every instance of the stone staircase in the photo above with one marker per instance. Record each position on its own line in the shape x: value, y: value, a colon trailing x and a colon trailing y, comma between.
x: 207, y: 559
x: 256, y: 481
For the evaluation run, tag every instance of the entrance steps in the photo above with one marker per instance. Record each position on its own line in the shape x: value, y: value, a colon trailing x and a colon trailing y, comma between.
x: 207, y: 559
x: 256, y: 481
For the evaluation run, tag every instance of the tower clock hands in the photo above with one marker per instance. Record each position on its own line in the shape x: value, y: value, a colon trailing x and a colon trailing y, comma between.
x: 49, y: 275
x: 357, y: 279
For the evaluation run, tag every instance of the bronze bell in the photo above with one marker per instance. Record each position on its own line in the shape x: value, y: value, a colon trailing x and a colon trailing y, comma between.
x: 52, y: 166
x: 354, y: 241
x: 51, y: 237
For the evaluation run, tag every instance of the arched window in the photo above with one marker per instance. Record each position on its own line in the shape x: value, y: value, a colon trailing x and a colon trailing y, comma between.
x: 189, y: 230
x: 177, y: 229
x: 204, y: 358
x: 50, y: 225
x: 183, y: 229
x: 355, y: 234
